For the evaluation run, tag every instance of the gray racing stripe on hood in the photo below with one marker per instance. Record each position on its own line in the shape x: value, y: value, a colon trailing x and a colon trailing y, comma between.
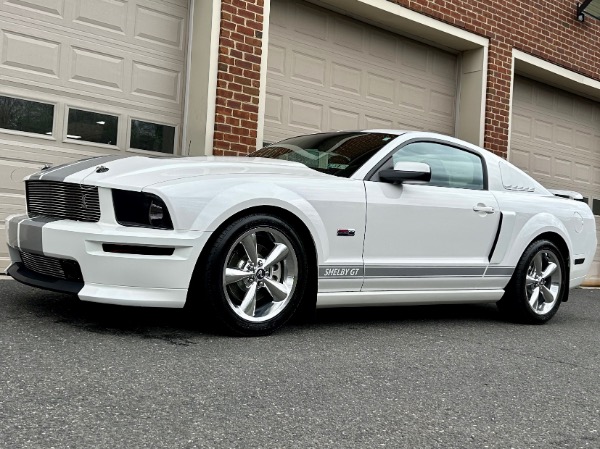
x: 60, y: 172
x: 30, y: 234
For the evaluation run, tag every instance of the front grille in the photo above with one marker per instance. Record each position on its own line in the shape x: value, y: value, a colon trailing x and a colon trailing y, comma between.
x: 63, y: 200
x: 51, y: 266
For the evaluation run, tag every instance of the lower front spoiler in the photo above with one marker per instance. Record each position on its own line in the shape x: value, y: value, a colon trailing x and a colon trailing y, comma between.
x: 20, y: 273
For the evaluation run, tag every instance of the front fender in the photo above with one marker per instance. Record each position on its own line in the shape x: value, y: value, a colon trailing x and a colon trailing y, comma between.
x: 212, y: 204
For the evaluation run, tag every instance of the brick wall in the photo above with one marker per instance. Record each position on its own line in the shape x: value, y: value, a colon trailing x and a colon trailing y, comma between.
x: 544, y: 28
x: 238, y: 78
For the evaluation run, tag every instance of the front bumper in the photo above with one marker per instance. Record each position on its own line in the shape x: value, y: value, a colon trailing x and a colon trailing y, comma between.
x: 108, y: 277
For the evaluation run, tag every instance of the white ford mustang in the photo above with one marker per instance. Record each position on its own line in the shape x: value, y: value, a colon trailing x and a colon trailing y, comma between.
x: 362, y: 218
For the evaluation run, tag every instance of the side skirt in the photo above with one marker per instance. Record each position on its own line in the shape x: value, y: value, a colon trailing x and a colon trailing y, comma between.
x: 406, y: 298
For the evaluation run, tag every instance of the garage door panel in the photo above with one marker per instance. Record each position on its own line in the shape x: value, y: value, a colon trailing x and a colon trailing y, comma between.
x: 582, y: 174
x: 303, y: 19
x: 32, y: 54
x: 563, y: 149
x: 91, y: 67
x: 159, y: 27
x: 563, y: 169
x: 328, y: 72
x: 105, y: 14
x: 377, y: 99
x: 159, y: 24
x: 536, y: 160
x: 45, y: 8
x: 291, y: 107
x: 97, y: 69
x: 341, y: 119
x: 413, y: 96
x: 346, y: 79
x: 124, y: 58
x: 382, y: 47
x: 348, y: 34
x: 290, y: 54
x: 584, y: 141
x: 380, y: 88
x: 305, y: 114
x: 443, y: 65
x: 442, y: 104
x: 308, y: 68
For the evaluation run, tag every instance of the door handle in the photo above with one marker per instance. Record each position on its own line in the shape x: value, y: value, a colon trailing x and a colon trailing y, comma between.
x: 483, y: 208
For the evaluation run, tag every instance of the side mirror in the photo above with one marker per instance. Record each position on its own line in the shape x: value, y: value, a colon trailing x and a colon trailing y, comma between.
x: 406, y: 171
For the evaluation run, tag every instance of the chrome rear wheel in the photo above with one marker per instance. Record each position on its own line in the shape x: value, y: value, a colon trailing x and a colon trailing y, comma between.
x: 538, y: 286
x: 543, y: 282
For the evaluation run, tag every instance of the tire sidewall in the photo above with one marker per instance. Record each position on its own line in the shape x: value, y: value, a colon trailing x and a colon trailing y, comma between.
x: 212, y: 276
x: 517, y: 289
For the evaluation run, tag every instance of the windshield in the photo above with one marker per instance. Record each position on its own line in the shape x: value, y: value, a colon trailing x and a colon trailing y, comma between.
x: 339, y: 153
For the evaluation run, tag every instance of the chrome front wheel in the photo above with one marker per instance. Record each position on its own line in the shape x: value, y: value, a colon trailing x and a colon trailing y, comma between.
x: 252, y: 277
x: 260, y: 274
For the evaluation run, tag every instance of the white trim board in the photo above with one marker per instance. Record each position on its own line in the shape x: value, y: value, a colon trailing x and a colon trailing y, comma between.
x: 554, y: 75
x: 407, y: 22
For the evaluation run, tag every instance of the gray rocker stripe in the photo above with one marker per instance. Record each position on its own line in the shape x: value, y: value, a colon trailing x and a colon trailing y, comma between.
x: 60, y: 172
x: 354, y: 271
x: 417, y: 272
x: 30, y: 234
x: 500, y: 271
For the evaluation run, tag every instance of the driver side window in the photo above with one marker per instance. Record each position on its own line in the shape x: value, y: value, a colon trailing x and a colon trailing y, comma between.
x: 450, y: 166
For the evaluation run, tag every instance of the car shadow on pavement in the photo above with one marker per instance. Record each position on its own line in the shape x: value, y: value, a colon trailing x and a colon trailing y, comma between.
x: 176, y: 327
x: 169, y: 325
x: 398, y: 314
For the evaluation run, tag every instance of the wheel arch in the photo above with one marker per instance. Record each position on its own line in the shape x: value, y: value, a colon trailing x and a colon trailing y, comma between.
x: 287, y: 216
x: 539, y: 226
x: 560, y: 243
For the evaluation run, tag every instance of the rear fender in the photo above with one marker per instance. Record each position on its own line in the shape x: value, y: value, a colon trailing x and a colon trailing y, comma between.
x: 523, y: 236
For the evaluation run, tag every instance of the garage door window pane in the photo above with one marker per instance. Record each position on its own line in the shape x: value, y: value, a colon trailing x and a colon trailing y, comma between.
x: 450, y: 167
x: 92, y: 127
x: 27, y: 116
x: 152, y: 136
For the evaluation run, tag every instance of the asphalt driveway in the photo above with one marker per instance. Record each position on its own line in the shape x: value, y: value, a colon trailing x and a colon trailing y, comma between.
x: 85, y: 375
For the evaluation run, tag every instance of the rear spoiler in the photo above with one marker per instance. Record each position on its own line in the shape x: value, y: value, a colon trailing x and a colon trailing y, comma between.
x: 569, y: 194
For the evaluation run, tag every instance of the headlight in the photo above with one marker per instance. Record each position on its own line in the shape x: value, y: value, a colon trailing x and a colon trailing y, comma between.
x: 141, y: 209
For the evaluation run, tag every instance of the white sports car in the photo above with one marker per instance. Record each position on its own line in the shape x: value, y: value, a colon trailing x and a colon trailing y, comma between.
x: 362, y: 218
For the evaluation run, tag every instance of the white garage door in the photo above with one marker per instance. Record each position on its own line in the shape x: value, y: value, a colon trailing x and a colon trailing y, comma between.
x: 556, y: 139
x: 80, y: 78
x: 329, y: 72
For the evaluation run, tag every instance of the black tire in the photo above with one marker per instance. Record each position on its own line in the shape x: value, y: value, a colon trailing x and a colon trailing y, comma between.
x: 214, y: 296
x: 520, y: 302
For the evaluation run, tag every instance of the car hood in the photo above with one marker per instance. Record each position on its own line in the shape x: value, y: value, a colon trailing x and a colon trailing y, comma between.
x: 138, y: 172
